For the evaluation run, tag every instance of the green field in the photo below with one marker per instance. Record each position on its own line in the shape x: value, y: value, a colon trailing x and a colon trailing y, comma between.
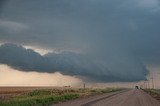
x: 153, y: 92
x: 45, y: 97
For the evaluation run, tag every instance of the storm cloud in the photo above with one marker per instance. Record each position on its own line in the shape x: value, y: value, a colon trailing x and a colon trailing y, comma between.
x: 68, y: 63
x: 120, y: 37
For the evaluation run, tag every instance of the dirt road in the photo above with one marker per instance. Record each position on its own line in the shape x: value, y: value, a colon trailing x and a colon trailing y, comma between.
x: 127, y: 98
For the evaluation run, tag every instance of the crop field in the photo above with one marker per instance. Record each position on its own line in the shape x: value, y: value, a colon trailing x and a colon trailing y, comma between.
x: 9, y: 92
x: 44, y: 96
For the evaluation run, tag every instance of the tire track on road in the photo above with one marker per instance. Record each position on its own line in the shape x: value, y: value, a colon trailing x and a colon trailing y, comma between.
x: 95, y: 101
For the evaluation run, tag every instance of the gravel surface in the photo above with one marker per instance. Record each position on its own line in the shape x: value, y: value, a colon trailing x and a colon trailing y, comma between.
x: 124, y: 98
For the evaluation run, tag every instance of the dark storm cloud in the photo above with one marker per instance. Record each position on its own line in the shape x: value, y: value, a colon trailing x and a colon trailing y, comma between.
x: 2, y: 3
x: 122, y: 36
x: 68, y: 63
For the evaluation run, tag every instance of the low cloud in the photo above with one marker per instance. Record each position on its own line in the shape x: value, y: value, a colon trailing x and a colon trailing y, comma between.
x: 70, y: 63
x: 39, y: 50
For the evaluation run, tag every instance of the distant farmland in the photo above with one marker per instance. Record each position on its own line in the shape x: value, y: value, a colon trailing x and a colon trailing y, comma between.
x: 42, y: 96
x: 8, y: 92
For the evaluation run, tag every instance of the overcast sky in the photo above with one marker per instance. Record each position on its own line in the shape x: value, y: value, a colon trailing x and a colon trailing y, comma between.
x: 120, y: 36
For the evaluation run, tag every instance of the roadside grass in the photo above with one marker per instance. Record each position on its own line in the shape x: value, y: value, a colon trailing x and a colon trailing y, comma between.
x: 47, y: 97
x: 106, y: 90
x: 153, y: 92
x: 39, y: 100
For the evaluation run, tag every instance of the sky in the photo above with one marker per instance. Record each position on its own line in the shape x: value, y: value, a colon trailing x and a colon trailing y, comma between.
x: 7, y: 77
x: 91, y: 40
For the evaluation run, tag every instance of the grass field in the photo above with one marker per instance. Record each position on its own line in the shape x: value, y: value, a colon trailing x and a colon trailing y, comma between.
x: 44, y: 96
x: 154, y: 92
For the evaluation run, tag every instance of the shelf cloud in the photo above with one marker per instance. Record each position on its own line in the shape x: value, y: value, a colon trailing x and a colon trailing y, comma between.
x: 69, y: 63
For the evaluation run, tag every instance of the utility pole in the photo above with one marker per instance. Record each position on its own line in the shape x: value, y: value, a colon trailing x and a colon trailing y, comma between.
x: 148, y: 84
x: 84, y: 86
x: 152, y: 81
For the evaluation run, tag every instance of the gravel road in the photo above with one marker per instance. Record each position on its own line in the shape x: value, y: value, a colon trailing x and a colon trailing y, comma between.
x: 124, y: 98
